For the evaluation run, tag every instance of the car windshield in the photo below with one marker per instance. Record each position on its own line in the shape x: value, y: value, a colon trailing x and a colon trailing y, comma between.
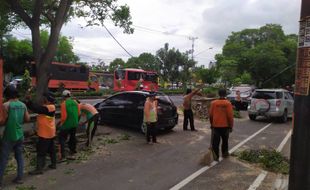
x: 267, y: 95
x: 134, y: 75
x: 244, y: 91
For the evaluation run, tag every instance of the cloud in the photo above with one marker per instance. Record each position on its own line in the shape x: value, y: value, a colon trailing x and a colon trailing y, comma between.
x: 172, y: 21
x: 225, y: 17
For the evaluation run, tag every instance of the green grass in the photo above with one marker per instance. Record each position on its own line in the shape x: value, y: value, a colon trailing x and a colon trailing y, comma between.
x: 269, y: 160
x: 124, y: 137
x: 237, y: 114
x: 26, y: 187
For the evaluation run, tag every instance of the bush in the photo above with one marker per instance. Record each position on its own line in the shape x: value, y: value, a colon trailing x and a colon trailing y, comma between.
x: 270, y: 160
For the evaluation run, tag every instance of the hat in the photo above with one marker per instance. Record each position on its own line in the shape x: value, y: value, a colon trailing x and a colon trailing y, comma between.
x: 66, y: 93
x: 10, y: 92
x: 49, y: 96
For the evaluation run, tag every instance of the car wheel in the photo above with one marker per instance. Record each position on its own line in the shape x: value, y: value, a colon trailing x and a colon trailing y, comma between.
x: 252, y: 117
x: 143, y: 128
x: 283, y: 118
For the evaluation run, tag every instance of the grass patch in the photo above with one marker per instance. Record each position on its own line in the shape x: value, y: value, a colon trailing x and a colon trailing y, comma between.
x: 26, y: 187
x: 269, y: 160
x: 110, y: 141
x: 69, y: 171
x: 237, y: 114
x: 124, y: 137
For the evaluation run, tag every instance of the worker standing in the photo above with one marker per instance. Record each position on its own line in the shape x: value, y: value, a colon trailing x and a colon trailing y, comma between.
x: 222, y: 121
x: 188, y: 112
x: 14, y: 115
x: 46, y: 131
x: 150, y: 118
x: 69, y: 121
x: 92, y: 117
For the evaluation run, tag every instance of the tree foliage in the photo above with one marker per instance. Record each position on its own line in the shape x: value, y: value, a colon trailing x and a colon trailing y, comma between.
x: 116, y: 64
x: 206, y: 75
x: 18, y: 53
x: 174, y: 65
x: 256, y: 55
x: 53, y: 14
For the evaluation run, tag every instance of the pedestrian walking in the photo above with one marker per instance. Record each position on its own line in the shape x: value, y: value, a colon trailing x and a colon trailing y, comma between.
x: 69, y: 121
x: 188, y: 112
x: 150, y: 118
x: 46, y: 131
x: 92, y: 117
x: 15, y: 114
x: 222, y: 122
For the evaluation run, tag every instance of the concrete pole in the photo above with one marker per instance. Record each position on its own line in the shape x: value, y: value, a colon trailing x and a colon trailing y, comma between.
x: 299, y: 178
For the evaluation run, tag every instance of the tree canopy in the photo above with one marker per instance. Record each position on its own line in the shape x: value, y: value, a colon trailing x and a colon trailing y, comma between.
x: 256, y: 55
x: 53, y: 14
x: 18, y: 53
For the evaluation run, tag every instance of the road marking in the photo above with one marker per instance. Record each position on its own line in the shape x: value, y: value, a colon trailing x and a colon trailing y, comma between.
x: 281, y: 146
x: 260, y: 178
x: 205, y: 168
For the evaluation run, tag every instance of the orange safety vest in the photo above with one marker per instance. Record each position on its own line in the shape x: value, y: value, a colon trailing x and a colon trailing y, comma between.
x: 221, y: 113
x: 46, y: 127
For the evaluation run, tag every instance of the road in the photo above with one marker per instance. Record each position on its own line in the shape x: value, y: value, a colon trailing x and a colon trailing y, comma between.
x: 172, y: 164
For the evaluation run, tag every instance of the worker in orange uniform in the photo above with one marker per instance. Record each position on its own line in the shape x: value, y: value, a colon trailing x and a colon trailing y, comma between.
x: 92, y: 117
x: 46, y: 131
x: 222, y: 122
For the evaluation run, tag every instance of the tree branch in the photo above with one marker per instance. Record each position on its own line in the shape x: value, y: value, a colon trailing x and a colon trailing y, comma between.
x: 49, y: 17
x: 17, y: 8
x: 57, y: 23
x: 37, y: 10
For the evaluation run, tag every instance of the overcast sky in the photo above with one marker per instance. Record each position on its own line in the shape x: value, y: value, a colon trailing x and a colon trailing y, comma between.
x: 173, y: 21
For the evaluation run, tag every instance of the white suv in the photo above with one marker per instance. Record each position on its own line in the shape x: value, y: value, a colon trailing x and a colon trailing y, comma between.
x: 272, y: 103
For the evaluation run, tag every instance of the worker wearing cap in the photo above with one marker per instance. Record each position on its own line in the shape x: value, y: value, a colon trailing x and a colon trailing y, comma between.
x: 69, y: 121
x: 92, y: 119
x: 15, y: 114
x: 46, y: 131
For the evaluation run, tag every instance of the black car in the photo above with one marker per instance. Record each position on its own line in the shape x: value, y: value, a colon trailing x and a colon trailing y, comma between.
x: 126, y: 108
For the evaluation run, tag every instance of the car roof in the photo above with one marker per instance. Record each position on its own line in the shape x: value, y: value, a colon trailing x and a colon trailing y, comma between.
x: 272, y: 90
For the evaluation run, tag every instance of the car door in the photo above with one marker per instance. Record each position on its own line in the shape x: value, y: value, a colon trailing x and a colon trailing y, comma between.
x: 113, y: 109
x: 135, y: 109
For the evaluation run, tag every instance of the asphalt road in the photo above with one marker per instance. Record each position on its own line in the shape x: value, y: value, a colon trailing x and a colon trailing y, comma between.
x: 132, y: 164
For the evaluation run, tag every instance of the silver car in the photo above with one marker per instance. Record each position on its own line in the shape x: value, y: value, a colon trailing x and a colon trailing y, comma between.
x: 271, y: 103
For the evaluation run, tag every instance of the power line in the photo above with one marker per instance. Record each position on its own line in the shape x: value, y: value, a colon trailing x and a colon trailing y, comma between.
x: 274, y: 76
x: 117, y: 41
x: 203, y: 51
x: 158, y: 31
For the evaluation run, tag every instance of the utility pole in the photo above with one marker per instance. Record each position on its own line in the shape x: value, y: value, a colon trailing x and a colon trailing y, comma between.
x: 193, y: 44
x: 299, y: 177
